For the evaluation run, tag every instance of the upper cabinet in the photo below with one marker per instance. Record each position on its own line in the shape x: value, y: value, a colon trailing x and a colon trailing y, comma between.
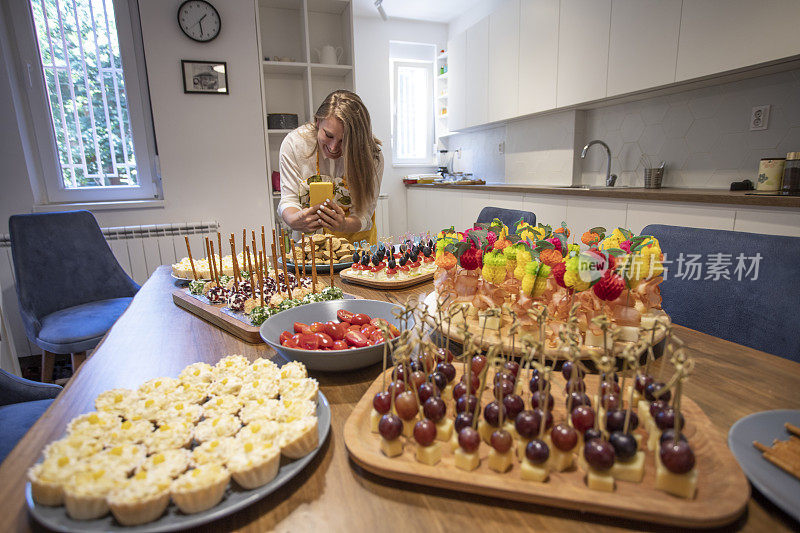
x: 503, y: 57
x: 582, y: 51
x: 721, y: 35
x: 477, y: 69
x: 457, y: 84
x: 538, y: 55
x: 644, y: 44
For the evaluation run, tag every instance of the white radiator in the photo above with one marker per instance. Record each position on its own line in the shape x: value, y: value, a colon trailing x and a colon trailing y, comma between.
x: 139, y: 250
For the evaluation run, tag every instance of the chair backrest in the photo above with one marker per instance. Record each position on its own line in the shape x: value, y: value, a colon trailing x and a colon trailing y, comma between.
x: 509, y: 217
x: 742, y: 287
x: 62, y: 260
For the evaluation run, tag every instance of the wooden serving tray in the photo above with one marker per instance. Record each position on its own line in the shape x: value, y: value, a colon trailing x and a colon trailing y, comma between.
x: 382, y: 284
x: 493, y: 337
x: 722, y: 489
x: 210, y: 313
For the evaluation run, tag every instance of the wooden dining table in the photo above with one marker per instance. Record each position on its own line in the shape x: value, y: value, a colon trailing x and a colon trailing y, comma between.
x: 156, y: 338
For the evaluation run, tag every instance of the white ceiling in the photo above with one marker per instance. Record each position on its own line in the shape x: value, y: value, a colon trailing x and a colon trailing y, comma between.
x: 430, y: 10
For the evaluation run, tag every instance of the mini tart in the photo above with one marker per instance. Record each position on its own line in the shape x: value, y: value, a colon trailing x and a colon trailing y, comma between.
x: 130, y: 432
x: 73, y: 446
x: 168, y: 463
x: 200, y: 489
x: 85, y: 493
x: 231, y: 365
x: 222, y: 404
x: 224, y: 425
x: 216, y: 451
x: 180, y: 411
x: 146, y: 408
x: 194, y: 393
x: 197, y: 373
x: 260, y: 429
x: 93, y: 425
x: 299, y: 389
x: 255, y: 388
x: 256, y: 463
x: 261, y: 408
x: 123, y: 457
x: 295, y: 409
x: 228, y: 384
x: 174, y: 434
x: 49, y: 477
x: 158, y: 386
x: 142, y: 499
x: 265, y: 369
x: 294, y: 370
x: 115, y: 401
x: 299, y: 437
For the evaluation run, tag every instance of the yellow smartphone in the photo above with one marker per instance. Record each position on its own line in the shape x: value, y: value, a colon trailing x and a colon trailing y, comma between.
x: 319, y: 192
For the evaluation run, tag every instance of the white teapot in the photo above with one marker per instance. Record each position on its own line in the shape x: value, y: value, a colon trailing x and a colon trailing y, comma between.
x: 330, y: 55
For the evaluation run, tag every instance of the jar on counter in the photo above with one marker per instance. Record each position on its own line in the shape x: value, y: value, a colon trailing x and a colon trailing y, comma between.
x: 791, y: 174
x: 770, y: 172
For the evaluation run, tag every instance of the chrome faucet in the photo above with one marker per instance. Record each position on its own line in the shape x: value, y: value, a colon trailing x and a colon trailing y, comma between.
x: 611, y: 179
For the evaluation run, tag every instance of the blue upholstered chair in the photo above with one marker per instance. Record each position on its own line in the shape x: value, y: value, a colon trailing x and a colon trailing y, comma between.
x: 71, y: 288
x: 22, y: 402
x: 509, y: 217
x: 760, y: 311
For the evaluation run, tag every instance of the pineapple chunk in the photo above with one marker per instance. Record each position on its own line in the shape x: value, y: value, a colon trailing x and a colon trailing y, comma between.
x: 500, y: 462
x: 374, y: 420
x: 429, y: 455
x: 681, y: 485
x: 391, y: 448
x: 444, y: 429
x: 532, y: 472
x: 466, y: 461
x: 632, y: 470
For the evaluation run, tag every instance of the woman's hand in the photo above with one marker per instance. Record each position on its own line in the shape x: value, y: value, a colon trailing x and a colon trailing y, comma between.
x: 332, y: 216
x: 303, y: 220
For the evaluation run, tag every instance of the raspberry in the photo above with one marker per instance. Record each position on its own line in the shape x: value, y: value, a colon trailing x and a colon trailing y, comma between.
x: 471, y: 259
x: 609, y: 287
x: 555, y: 242
x: 626, y: 245
x: 558, y: 272
x: 491, y: 237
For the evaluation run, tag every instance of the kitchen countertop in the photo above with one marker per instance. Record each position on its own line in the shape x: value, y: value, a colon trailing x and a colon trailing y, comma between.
x: 667, y: 194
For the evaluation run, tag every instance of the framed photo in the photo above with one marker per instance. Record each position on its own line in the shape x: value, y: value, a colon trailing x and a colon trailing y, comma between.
x: 208, y: 77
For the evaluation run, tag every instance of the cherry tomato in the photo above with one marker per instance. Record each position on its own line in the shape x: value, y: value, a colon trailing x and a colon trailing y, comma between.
x: 403, y: 268
x: 376, y: 336
x: 356, y: 338
x: 340, y: 345
x: 336, y: 330
x: 368, y: 329
x: 284, y: 336
x: 360, y: 319
x: 415, y: 264
x: 378, y: 321
x: 308, y: 341
x: 393, y: 330
x: 325, y: 340
x: 317, y: 327
x: 291, y: 343
x: 391, y: 271
x: 354, y: 327
x: 344, y: 316
x: 299, y: 327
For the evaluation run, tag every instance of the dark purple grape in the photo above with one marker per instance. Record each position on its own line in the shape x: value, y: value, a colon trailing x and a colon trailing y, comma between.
x: 417, y: 378
x: 513, y: 404
x: 583, y: 417
x: 534, y: 384
x: 474, y: 381
x: 382, y: 402
x: 527, y: 424
x: 609, y: 386
x: 669, y: 434
x: 444, y: 355
x: 426, y: 390
x: 513, y: 367
x: 566, y: 370
x: 406, y: 405
x: 501, y: 440
x: 503, y: 388
x: 491, y: 413
x: 548, y: 420
x: 425, y: 432
x: 440, y: 380
x: 390, y: 426
x: 575, y: 385
x: 448, y: 370
x: 462, y: 420
x: 537, y: 451
x: 469, y: 439
x: 592, y: 433
x: 415, y: 366
x: 641, y: 382
x: 657, y: 406
x: 665, y: 419
x: 612, y: 376
x: 578, y: 398
x: 503, y: 374
x: 615, y: 420
x: 478, y: 362
x: 599, y: 454
x: 537, y: 400
x: 399, y: 373
x: 564, y: 437
x: 609, y: 401
x: 396, y: 388
x: 677, y: 457
x: 459, y: 390
x: 653, y: 388
x: 434, y: 408
x: 467, y: 403
x: 624, y: 444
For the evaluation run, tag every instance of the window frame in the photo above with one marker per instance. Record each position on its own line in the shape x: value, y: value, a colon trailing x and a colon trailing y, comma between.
x: 47, y: 177
x: 430, y: 158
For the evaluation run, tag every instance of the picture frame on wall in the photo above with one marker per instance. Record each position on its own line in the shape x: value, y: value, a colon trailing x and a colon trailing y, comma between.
x: 204, y: 77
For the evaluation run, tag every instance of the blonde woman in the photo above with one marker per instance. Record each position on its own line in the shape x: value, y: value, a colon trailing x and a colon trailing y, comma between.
x: 338, y: 146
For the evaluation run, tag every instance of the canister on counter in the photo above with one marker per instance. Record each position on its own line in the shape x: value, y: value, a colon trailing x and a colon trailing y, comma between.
x: 791, y: 174
x: 770, y: 172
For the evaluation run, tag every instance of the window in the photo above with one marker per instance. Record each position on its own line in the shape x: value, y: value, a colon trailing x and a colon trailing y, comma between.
x: 412, y: 103
x: 88, y: 108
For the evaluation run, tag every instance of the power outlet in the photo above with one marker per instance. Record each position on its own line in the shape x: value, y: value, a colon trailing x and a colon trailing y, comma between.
x: 759, y: 117
x: 501, y: 148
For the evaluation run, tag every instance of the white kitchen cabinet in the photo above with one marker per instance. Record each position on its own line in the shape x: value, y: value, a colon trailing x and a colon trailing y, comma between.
x: 503, y: 60
x: 644, y: 44
x: 538, y: 55
x: 721, y: 35
x: 477, y: 73
x: 457, y: 86
x: 582, y: 50
x: 416, y: 208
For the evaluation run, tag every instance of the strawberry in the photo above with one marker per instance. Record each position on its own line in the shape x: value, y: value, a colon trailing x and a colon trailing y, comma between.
x: 471, y: 259
x: 609, y: 287
x: 558, y: 272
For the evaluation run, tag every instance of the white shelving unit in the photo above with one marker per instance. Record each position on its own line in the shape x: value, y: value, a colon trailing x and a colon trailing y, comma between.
x: 442, y: 77
x: 295, y: 30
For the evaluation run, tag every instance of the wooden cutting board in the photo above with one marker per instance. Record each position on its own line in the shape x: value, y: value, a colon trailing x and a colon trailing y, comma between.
x: 211, y: 313
x: 347, y: 276
x: 722, y: 489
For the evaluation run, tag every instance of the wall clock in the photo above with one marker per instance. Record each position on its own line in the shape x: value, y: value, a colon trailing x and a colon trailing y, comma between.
x: 199, y: 20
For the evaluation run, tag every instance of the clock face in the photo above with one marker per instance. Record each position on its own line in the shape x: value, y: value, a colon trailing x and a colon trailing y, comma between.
x: 199, y: 20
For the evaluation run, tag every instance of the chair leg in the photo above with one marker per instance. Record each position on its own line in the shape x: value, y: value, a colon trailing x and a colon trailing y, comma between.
x: 48, y: 361
x: 77, y: 360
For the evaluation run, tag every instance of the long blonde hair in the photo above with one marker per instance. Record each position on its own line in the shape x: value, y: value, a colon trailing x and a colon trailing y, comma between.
x: 361, y: 148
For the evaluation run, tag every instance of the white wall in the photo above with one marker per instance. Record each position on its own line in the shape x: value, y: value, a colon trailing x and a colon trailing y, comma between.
x: 372, y: 38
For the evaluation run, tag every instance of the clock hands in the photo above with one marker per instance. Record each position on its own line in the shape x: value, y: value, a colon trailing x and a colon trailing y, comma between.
x: 200, y: 22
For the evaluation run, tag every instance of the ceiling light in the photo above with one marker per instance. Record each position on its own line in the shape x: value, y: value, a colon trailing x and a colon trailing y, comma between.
x: 380, y: 9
